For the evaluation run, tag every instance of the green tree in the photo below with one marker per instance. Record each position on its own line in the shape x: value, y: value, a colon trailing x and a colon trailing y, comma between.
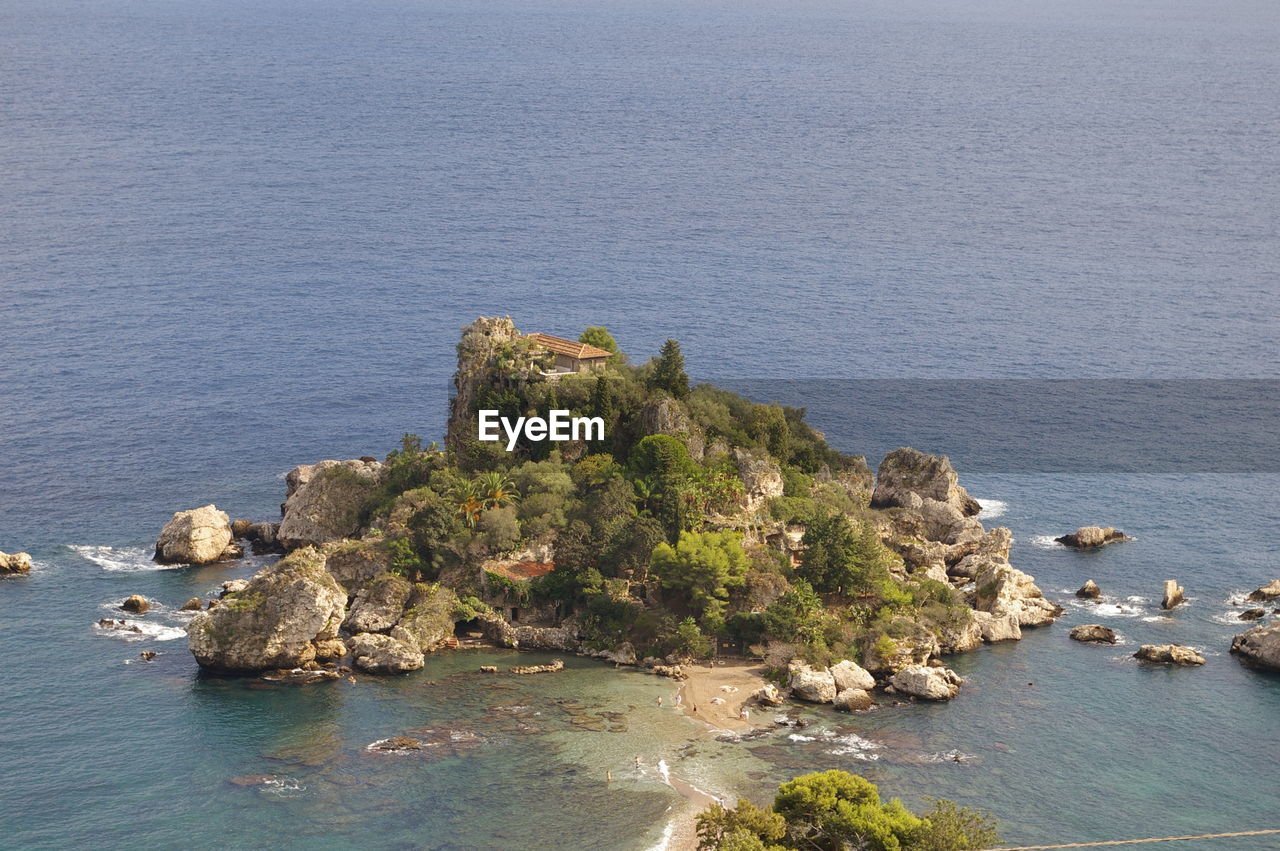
x: 721, y: 828
x: 668, y: 371
x: 950, y: 827
x: 836, y: 810
x: 703, y: 565
x: 797, y: 615
x: 602, y: 401
x: 840, y: 556
x: 670, y: 478
x: 599, y: 336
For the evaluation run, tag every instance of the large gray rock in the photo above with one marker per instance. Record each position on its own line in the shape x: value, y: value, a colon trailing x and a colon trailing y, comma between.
x: 908, y: 476
x: 562, y: 638
x: 1002, y: 628
x: 379, y: 605
x: 1005, y: 590
x: 767, y: 695
x: 14, y: 563
x: 1270, y: 591
x: 276, y: 621
x: 669, y: 416
x: 1259, y: 646
x: 427, y: 623
x: 356, y: 563
x: 383, y: 654
x: 816, y: 685
x: 1093, y: 633
x: 761, y: 478
x: 324, y: 501
x: 847, y: 675
x: 1169, y: 654
x: 198, y: 536
x: 1089, y: 537
x: 927, y: 682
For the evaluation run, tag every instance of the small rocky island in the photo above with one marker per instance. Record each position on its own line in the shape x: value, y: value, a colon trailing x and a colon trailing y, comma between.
x: 701, y: 518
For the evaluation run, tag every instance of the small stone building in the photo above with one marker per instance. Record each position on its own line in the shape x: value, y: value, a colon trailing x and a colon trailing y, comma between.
x: 571, y: 356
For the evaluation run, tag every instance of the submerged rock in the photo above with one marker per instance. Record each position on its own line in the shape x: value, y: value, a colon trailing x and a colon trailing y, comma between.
x: 11, y: 563
x: 123, y: 626
x: 553, y: 667
x: 1090, y: 537
x: 1259, y: 646
x: 382, y: 654
x: 324, y: 501
x: 815, y: 685
x: 1173, y: 594
x: 1169, y: 654
x: 927, y: 682
x: 1270, y: 591
x: 274, y: 621
x: 198, y: 536
x: 136, y: 603
x: 1089, y: 591
x: 1094, y: 633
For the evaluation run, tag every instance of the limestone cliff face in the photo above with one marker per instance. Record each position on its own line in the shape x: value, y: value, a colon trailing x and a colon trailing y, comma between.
x: 491, y: 351
x: 284, y: 617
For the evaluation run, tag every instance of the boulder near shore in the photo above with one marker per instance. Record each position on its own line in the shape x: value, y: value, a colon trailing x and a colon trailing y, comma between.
x: 12, y: 563
x: 198, y: 536
x: 1259, y: 647
x: 1091, y: 537
x: 1270, y: 591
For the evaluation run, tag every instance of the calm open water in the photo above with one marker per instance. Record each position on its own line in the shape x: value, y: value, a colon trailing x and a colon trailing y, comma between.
x: 240, y: 236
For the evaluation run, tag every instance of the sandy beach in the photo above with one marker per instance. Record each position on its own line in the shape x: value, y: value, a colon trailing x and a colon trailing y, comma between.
x: 715, y: 697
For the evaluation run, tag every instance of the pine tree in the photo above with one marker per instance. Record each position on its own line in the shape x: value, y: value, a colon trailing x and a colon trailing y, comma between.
x: 668, y: 371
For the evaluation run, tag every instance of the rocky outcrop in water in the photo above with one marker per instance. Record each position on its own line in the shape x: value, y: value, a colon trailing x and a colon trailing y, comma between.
x: 1270, y: 591
x: 815, y: 685
x: 136, y: 603
x: 1093, y: 633
x: 323, y: 501
x: 1089, y: 591
x: 1259, y: 647
x: 1253, y: 614
x: 908, y: 476
x: 1169, y: 654
x: 1173, y: 594
x: 1091, y: 537
x: 192, y: 605
x: 1003, y: 590
x: 279, y: 619
x: 926, y: 682
x: 382, y: 654
x: 198, y: 536
x: 767, y: 695
x: 13, y: 563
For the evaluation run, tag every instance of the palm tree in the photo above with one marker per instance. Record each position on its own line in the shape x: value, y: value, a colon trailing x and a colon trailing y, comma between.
x: 496, y: 490
x: 466, y: 493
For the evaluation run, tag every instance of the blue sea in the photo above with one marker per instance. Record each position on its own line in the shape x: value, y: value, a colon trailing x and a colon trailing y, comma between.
x: 240, y: 236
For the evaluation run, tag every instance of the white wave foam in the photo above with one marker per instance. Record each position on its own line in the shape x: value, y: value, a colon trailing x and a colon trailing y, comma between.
x: 992, y: 508
x: 1044, y: 542
x: 120, y: 559
x: 139, y: 630
x: 1232, y: 618
x: 851, y: 744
